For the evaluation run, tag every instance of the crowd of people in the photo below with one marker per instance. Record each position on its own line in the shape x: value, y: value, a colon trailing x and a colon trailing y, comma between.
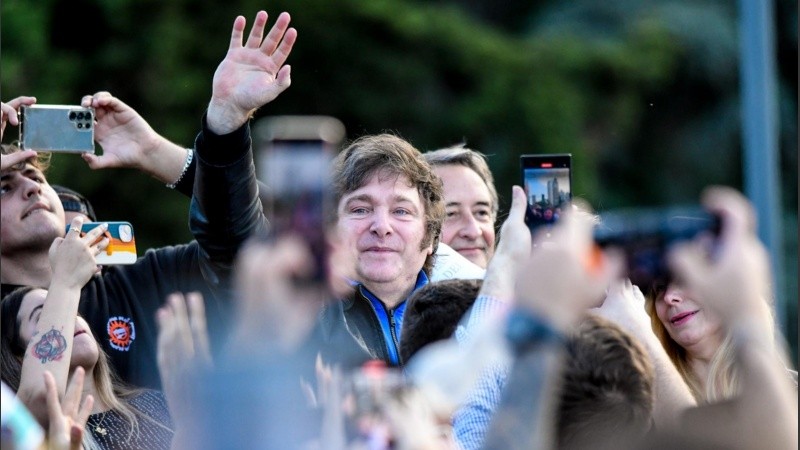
x: 429, y: 332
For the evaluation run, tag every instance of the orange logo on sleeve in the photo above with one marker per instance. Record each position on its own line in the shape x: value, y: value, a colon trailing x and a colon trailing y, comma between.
x: 121, y: 333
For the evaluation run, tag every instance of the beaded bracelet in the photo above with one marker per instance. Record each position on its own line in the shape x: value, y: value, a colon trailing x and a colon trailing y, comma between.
x: 189, y: 156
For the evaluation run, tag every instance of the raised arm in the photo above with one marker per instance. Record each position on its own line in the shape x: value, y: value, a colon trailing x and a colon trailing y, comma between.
x: 555, y: 287
x: 50, y: 346
x: 251, y: 75
x: 129, y: 141
x: 225, y: 205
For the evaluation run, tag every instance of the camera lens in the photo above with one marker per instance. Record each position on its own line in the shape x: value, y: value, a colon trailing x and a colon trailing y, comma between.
x: 80, y: 116
x: 72, y: 115
x: 80, y: 125
x: 88, y: 116
x: 88, y: 125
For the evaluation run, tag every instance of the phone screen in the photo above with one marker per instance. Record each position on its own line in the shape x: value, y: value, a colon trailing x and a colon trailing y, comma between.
x: 297, y: 172
x: 294, y: 162
x: 547, y: 180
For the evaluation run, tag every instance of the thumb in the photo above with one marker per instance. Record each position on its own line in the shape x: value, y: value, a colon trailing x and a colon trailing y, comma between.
x: 94, y: 162
x: 284, y: 77
x: 518, y: 204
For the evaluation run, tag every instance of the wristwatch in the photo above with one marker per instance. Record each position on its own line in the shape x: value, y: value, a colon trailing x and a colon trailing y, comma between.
x: 525, y: 331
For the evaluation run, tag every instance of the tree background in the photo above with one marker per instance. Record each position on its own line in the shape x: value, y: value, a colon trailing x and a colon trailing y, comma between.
x: 643, y: 93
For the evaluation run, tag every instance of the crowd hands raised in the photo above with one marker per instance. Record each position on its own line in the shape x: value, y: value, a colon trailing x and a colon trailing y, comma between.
x: 551, y: 348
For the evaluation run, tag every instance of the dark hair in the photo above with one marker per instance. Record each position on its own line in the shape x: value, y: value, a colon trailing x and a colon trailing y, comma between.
x: 12, y: 348
x: 433, y: 312
x: 370, y: 155
x: 74, y: 201
x: 607, y: 391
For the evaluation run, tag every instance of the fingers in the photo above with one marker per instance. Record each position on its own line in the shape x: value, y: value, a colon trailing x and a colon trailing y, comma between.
x: 738, y: 217
x: 85, y: 411
x: 93, y: 161
x: 282, y: 53
x: 276, y: 34
x: 257, y: 32
x: 76, y: 437
x: 22, y: 100
x: 75, y: 227
x: 93, y: 236
x: 9, y: 109
x: 180, y: 316
x: 53, y: 405
x: 9, y: 114
x: 237, y: 33
x: 12, y: 159
x: 72, y: 397
x: 197, y: 323
x: 99, y: 99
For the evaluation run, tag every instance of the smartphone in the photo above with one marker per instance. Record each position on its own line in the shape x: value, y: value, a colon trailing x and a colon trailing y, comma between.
x: 645, y: 235
x: 121, y: 245
x: 547, y: 180
x: 294, y: 159
x: 57, y: 128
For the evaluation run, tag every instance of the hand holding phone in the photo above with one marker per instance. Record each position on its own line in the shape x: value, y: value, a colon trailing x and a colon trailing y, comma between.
x: 547, y: 181
x: 121, y: 247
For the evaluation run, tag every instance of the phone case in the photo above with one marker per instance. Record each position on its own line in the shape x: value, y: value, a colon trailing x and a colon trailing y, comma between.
x: 57, y: 128
x: 121, y: 246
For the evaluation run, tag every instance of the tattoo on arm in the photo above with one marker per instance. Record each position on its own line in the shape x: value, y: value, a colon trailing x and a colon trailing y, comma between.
x: 50, y: 347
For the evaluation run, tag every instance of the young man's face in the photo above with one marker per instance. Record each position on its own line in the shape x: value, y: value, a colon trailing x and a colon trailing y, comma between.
x: 469, y: 215
x: 382, y: 226
x: 31, y: 213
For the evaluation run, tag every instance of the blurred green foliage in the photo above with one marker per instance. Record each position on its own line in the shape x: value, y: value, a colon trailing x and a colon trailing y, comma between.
x: 643, y: 93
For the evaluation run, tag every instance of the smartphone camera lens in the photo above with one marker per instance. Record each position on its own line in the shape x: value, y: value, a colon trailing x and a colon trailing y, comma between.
x: 80, y: 116
x: 72, y: 115
x: 88, y: 116
x: 80, y: 125
x: 88, y: 125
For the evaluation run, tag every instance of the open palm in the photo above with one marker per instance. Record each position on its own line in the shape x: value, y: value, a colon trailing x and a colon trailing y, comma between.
x: 252, y: 73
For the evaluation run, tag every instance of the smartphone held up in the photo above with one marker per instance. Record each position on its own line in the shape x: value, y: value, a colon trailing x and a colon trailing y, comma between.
x: 57, y: 128
x: 547, y: 181
x: 121, y: 247
x: 294, y: 154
